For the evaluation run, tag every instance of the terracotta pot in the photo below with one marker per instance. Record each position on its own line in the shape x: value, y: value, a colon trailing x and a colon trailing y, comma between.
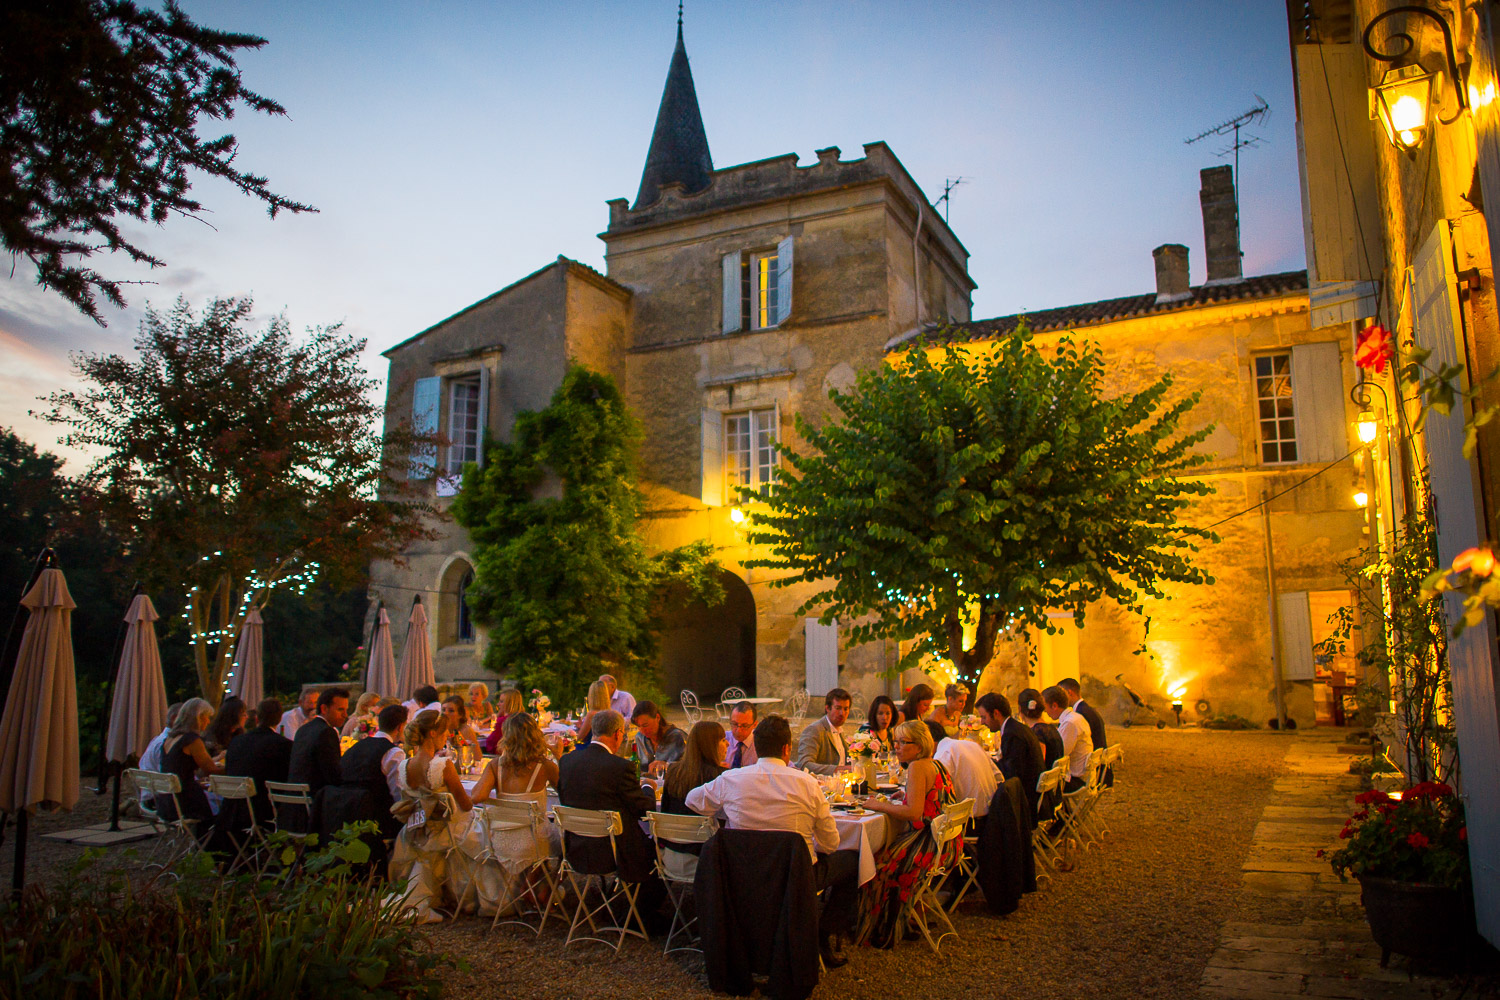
x: 1429, y: 923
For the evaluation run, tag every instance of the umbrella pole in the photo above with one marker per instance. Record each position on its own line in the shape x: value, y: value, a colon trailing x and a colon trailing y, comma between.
x: 18, y: 871
x: 114, y: 806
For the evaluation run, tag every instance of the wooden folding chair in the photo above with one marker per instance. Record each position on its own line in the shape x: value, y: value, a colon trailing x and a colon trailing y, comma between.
x: 674, y: 873
x: 505, y: 816
x: 182, y: 837
x: 287, y: 798
x: 1048, y: 849
x: 239, y: 790
x: 597, y: 824
x: 923, y: 909
x: 968, y: 863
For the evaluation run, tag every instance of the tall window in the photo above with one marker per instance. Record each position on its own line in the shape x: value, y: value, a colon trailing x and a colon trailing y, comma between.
x: 749, y: 451
x: 463, y: 423
x: 1273, y: 398
x: 465, y: 620
x: 759, y: 300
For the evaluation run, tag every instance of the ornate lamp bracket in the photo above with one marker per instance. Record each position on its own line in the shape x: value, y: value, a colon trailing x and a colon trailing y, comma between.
x: 1402, y: 54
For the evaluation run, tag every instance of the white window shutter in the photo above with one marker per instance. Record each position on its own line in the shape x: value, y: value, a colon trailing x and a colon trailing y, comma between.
x: 713, y: 457
x: 1295, y: 619
x: 732, y: 292
x: 1318, y: 402
x: 425, y: 398
x: 822, y: 657
x: 484, y: 409
x: 783, y: 280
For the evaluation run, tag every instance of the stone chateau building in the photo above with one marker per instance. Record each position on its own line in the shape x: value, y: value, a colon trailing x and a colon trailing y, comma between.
x: 735, y: 298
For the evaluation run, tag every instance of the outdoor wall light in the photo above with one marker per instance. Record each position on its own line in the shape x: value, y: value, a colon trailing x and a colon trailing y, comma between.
x: 736, y: 515
x: 1367, y: 426
x: 1361, y: 498
x: 1402, y: 101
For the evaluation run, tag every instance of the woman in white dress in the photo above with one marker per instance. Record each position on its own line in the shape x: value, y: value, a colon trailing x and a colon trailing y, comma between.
x: 521, y: 773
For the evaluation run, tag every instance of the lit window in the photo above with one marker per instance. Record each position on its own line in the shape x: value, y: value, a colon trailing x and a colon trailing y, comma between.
x: 750, y: 460
x: 1273, y: 400
x: 465, y: 620
x: 759, y: 293
x: 463, y: 424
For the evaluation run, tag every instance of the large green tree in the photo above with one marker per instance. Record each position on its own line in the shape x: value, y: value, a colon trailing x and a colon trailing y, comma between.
x: 561, y: 577
x: 101, y: 107
x: 986, y: 487
x: 239, y: 462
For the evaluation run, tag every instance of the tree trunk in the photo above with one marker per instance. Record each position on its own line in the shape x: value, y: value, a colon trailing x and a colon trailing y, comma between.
x: 970, y: 663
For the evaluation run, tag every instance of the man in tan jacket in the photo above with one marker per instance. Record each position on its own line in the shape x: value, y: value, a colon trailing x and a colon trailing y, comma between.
x: 821, y: 748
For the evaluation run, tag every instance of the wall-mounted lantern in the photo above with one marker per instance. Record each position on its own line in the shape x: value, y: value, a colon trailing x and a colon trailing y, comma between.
x: 1368, y: 427
x: 1403, y: 100
x: 1361, y: 499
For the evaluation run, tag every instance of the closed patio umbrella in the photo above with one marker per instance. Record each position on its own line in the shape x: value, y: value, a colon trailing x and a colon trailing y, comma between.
x: 416, y: 654
x: 380, y: 674
x: 247, y: 681
x: 39, y: 730
x: 139, y: 710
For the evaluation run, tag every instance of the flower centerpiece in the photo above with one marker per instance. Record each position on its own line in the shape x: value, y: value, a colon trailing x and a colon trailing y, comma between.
x: 1410, y: 853
x: 862, y: 746
x: 539, y: 705
x: 970, y: 728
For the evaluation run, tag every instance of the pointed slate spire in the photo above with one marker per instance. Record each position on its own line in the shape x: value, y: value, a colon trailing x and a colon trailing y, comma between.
x: 679, y: 146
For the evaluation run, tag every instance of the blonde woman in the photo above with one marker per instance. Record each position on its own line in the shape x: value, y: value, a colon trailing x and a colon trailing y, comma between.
x: 597, y: 701
x: 363, y: 722
x: 510, y: 704
x: 425, y: 778
x: 928, y: 790
x: 481, y: 712
x: 951, y: 711
x: 521, y: 772
x: 184, y: 755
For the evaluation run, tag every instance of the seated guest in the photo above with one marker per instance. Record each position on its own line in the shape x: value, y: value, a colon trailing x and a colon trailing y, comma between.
x: 371, y: 765
x: 315, y: 751
x: 1020, y: 750
x: 821, y: 747
x: 917, y: 707
x: 597, y: 700
x: 228, y: 722
x: 928, y: 789
x: 770, y: 795
x: 1089, y: 712
x: 1030, y: 703
x: 621, y: 701
x: 151, y: 759
x: 657, y: 742
x: 481, y: 712
x: 426, y: 780
x: 703, y: 759
x: 457, y: 714
x: 184, y: 755
x: 878, y: 724
x: 262, y: 754
x: 741, y: 751
x: 510, y: 704
x: 1074, y: 730
x: 951, y: 711
x: 974, y: 774
x: 364, y: 721
x: 595, y: 777
x: 293, y: 720
x: 521, y: 773
x: 425, y: 699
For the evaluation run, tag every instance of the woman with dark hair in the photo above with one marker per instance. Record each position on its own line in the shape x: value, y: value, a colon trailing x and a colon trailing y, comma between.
x: 703, y: 760
x: 228, y: 722
x: 880, y: 721
x: 1029, y: 704
x: 918, y: 703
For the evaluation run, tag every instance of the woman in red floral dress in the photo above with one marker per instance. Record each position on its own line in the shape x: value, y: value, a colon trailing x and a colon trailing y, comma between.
x: 928, y: 790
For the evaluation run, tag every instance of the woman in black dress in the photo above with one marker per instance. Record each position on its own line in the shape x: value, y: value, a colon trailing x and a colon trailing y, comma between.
x: 227, y: 723
x: 184, y: 755
x: 1029, y: 702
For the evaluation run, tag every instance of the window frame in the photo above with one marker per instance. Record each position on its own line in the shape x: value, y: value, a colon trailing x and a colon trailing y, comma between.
x: 1279, y: 400
x: 762, y: 431
x: 759, y: 289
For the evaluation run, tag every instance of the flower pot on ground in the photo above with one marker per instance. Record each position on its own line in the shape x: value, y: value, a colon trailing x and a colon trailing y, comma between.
x: 1410, y: 852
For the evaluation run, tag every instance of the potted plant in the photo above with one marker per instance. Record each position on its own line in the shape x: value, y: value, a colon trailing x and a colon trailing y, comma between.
x: 1410, y: 853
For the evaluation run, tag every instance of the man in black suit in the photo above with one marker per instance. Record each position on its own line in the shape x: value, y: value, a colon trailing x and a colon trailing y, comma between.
x: 315, y: 751
x: 369, y: 764
x: 260, y: 753
x: 1020, y: 750
x: 595, y: 777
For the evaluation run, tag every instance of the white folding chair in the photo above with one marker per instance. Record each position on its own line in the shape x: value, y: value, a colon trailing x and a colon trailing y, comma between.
x: 923, y: 909
x: 1075, y: 808
x: 1048, y: 849
x: 597, y: 824
x: 690, y: 707
x: 182, y: 838
x: 968, y: 863
x: 521, y: 888
x: 677, y: 868
x: 288, y: 798
x: 1091, y: 822
x: 241, y: 790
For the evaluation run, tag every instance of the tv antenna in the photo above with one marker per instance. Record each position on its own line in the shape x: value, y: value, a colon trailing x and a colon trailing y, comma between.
x: 1232, y: 127
x: 947, y: 198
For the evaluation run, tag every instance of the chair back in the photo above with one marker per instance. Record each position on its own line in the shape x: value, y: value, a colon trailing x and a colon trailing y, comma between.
x: 289, y: 793
x: 949, y: 825
x: 227, y: 787
x: 517, y: 814
x: 155, y: 782
x: 690, y: 706
x: 1053, y: 778
x: 1114, y: 755
x: 589, y: 822
x: 681, y: 829
x: 1098, y: 759
x: 732, y: 695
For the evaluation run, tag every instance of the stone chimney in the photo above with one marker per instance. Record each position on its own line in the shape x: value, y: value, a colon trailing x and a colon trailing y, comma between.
x: 1171, y: 273
x: 1221, y: 225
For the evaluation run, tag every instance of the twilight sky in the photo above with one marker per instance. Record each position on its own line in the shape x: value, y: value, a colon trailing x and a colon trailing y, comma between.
x: 453, y: 148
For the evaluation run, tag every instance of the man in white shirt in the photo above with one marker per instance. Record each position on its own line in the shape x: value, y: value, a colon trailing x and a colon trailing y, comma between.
x: 772, y: 795
x: 293, y: 720
x: 425, y: 699
x: 392, y: 759
x: 974, y: 774
x: 151, y: 759
x: 621, y: 701
x: 1074, y: 730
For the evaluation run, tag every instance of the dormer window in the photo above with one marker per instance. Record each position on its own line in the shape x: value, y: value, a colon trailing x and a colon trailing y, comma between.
x: 757, y: 288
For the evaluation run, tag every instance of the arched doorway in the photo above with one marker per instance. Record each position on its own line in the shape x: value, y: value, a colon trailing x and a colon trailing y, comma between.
x: 455, y: 625
x: 707, y: 649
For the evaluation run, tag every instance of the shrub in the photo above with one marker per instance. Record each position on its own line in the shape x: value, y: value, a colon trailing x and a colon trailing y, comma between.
x: 325, y: 934
x: 1419, y: 837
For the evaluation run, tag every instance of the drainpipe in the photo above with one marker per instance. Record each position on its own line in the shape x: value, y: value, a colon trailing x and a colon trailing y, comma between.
x: 1275, y: 609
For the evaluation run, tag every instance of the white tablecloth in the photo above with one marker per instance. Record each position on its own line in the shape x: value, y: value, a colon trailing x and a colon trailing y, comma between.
x: 866, y: 834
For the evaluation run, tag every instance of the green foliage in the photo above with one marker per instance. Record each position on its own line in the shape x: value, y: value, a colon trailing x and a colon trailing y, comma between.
x: 989, y: 486
x: 1419, y: 838
x: 325, y: 934
x: 561, y: 575
x: 101, y: 109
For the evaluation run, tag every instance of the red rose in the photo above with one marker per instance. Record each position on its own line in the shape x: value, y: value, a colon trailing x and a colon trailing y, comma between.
x: 1417, y: 840
x: 1345, y: 833
x: 1373, y: 795
x: 1320, y: 852
x: 1373, y: 349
